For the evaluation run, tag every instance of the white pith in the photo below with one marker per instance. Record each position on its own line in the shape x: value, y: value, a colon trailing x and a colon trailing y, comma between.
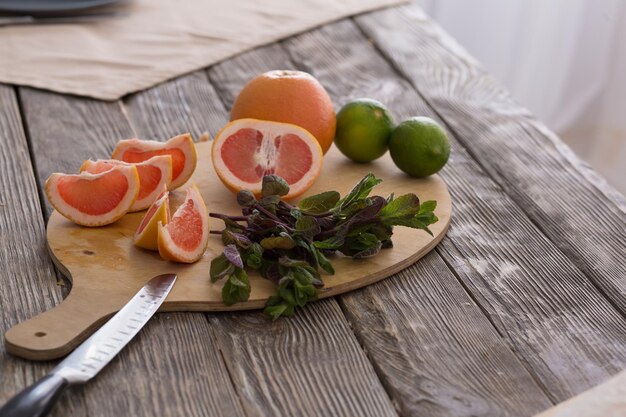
x: 158, y: 205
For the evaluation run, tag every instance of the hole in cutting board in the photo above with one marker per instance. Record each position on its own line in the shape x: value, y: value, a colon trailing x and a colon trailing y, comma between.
x: 40, y: 334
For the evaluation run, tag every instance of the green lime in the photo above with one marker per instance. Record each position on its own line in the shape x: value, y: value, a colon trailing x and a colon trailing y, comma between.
x: 363, y: 129
x: 419, y: 146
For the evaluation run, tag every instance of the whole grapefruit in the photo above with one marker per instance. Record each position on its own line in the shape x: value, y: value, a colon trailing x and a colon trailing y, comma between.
x: 293, y: 97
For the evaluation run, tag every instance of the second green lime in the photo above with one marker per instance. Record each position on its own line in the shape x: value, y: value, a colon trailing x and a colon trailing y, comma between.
x: 363, y: 130
x: 419, y: 146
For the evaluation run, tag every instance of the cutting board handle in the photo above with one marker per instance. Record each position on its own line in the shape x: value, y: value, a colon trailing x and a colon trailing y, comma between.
x: 56, y: 332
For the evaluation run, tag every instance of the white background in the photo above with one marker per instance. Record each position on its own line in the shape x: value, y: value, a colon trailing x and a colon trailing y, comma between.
x: 565, y: 60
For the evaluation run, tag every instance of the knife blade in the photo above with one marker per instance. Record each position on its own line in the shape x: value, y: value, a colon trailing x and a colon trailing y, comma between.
x: 94, y: 353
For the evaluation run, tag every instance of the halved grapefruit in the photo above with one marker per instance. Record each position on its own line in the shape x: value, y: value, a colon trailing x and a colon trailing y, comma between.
x: 186, y: 236
x: 146, y: 235
x: 154, y: 175
x: 94, y: 199
x: 247, y: 149
x: 181, y: 148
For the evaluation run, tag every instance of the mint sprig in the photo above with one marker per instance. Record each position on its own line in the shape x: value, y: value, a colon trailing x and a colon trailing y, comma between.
x: 293, y: 245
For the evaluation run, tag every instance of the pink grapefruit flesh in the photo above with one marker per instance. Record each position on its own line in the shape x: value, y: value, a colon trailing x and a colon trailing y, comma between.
x: 186, y: 236
x: 94, y: 199
x: 180, y: 148
x: 247, y: 149
x: 154, y: 174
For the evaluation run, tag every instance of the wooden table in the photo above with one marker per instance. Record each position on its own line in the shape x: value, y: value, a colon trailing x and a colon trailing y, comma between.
x: 520, y: 307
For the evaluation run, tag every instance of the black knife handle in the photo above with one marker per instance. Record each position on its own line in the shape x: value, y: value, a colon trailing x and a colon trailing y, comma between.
x: 36, y: 400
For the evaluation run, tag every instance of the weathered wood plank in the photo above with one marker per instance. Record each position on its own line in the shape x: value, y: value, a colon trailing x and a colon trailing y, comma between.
x: 569, y: 336
x: 438, y: 353
x: 286, y: 368
x: 27, y: 281
x: 188, y: 103
x: 571, y: 204
x: 309, y: 365
x: 396, y: 330
x: 152, y: 375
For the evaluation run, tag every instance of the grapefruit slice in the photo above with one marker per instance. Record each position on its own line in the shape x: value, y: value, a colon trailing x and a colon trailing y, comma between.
x: 186, y: 236
x: 181, y: 148
x: 247, y: 149
x: 154, y: 174
x: 94, y: 199
x: 146, y: 235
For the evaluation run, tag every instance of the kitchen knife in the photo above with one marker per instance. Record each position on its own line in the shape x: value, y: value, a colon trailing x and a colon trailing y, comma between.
x: 93, y: 354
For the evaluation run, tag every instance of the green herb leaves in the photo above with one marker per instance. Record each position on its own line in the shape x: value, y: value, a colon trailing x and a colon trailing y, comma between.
x: 404, y: 206
x: 274, y: 185
x: 307, y: 227
x: 220, y: 268
x: 407, y: 211
x: 236, y: 288
x: 291, y: 245
x: 319, y: 203
x: 230, y: 264
x: 360, y: 191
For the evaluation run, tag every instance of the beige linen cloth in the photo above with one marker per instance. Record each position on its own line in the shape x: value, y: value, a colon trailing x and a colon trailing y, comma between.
x: 157, y: 40
x: 605, y: 400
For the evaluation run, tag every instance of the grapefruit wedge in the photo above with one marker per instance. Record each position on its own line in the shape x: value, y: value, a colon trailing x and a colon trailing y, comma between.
x: 245, y: 150
x: 186, y: 236
x: 154, y: 174
x: 94, y: 199
x: 146, y: 235
x: 181, y: 148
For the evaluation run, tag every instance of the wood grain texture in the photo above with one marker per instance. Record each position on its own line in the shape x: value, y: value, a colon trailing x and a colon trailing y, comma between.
x: 310, y: 365
x: 572, y: 205
x: 248, y: 352
x: 167, y: 373
x: 27, y: 280
x: 396, y: 331
x: 438, y: 354
x: 564, y: 330
x: 185, y: 104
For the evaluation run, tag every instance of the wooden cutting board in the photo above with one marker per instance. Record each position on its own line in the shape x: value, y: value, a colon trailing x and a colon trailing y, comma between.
x: 106, y: 269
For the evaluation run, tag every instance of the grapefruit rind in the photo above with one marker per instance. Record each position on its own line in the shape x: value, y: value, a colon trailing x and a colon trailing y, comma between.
x: 236, y: 184
x: 77, y: 216
x: 142, y: 150
x: 168, y: 249
x: 162, y: 162
x: 159, y: 212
